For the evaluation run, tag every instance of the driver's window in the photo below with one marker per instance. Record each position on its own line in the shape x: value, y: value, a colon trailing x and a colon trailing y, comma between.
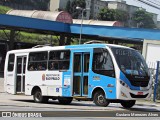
x: 102, y: 62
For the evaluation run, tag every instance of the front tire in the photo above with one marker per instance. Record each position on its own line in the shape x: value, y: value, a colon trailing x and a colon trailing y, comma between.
x: 99, y: 99
x: 65, y: 100
x: 38, y: 98
x: 128, y: 104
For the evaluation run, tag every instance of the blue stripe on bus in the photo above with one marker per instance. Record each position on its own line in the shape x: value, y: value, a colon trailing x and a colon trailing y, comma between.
x: 125, y: 79
x: 85, y: 46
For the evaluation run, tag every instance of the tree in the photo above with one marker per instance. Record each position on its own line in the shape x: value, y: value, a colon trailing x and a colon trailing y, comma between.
x: 112, y: 15
x: 143, y: 19
x: 71, y: 7
x: 106, y: 14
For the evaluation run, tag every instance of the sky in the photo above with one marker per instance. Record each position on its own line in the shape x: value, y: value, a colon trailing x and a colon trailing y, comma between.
x: 147, y: 7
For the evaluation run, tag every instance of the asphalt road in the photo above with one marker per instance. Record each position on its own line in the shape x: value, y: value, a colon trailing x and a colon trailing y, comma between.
x: 19, y: 104
x: 24, y: 106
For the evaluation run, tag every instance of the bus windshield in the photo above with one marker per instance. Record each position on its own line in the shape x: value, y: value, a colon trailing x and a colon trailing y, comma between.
x: 130, y: 62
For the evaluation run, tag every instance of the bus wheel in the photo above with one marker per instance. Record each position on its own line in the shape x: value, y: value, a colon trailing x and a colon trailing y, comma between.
x: 128, y: 104
x: 99, y: 99
x: 65, y: 100
x: 38, y: 98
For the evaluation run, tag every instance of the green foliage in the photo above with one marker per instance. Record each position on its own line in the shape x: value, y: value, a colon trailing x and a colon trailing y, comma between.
x: 71, y: 7
x: 3, y: 9
x: 112, y: 15
x: 37, y: 38
x: 143, y: 19
x: 30, y: 37
x: 36, y: 4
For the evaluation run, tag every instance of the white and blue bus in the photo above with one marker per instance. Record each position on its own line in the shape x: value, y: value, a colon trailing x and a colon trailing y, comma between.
x: 103, y: 73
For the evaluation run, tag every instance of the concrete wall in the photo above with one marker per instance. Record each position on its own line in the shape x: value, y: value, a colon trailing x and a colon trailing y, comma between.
x: 158, y: 24
x: 150, y: 52
x: 54, y: 5
x: 145, y: 44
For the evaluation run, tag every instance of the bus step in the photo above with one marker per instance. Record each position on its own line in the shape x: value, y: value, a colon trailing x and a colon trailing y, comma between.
x: 79, y: 98
x: 18, y: 93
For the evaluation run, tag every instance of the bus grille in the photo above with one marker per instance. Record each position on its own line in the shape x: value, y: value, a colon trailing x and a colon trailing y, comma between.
x: 138, y: 96
x: 139, y: 83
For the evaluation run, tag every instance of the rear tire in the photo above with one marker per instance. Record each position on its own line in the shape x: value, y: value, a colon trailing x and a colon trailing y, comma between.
x: 65, y: 100
x: 100, y: 99
x: 38, y: 98
x: 128, y: 104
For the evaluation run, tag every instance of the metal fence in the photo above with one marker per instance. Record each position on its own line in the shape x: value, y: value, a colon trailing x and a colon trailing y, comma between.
x: 154, y: 68
x: 157, y: 83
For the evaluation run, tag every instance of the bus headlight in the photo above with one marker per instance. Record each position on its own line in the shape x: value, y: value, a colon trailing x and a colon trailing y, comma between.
x: 124, y: 84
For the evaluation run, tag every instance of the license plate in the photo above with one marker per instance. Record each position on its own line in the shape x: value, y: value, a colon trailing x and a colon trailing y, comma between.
x: 140, y: 93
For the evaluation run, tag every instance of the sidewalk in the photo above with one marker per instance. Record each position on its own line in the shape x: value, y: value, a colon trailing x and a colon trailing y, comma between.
x: 149, y: 103
x: 1, y: 85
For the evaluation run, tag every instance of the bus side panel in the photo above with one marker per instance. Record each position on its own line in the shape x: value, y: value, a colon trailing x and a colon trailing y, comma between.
x: 108, y: 84
x: 5, y: 73
x: 9, y: 78
x: 50, y: 82
x: 66, y: 84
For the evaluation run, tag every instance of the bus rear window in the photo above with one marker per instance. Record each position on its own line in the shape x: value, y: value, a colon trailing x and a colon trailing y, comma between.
x: 11, y: 62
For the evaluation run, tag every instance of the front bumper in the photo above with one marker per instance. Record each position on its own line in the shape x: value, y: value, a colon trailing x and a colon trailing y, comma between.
x: 128, y: 94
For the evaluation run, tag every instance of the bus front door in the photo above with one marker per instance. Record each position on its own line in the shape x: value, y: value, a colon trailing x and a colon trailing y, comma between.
x: 20, y: 74
x: 80, y: 75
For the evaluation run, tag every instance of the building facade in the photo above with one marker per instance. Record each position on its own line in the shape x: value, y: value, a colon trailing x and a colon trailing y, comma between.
x: 119, y: 4
x: 93, y: 5
x: 96, y: 6
x: 56, y: 5
x: 130, y: 9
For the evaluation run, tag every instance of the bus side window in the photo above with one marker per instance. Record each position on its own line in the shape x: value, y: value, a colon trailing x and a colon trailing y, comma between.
x: 65, y: 60
x: 11, y: 62
x: 59, y: 60
x: 102, y: 63
x: 38, y: 61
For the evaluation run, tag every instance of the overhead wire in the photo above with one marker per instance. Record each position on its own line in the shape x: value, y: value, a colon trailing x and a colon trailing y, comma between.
x: 150, y: 3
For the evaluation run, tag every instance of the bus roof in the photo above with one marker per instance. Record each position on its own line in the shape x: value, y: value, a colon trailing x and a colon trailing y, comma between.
x: 82, y: 46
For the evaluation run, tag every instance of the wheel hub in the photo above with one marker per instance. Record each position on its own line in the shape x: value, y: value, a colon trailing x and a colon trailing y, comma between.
x: 101, y: 99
